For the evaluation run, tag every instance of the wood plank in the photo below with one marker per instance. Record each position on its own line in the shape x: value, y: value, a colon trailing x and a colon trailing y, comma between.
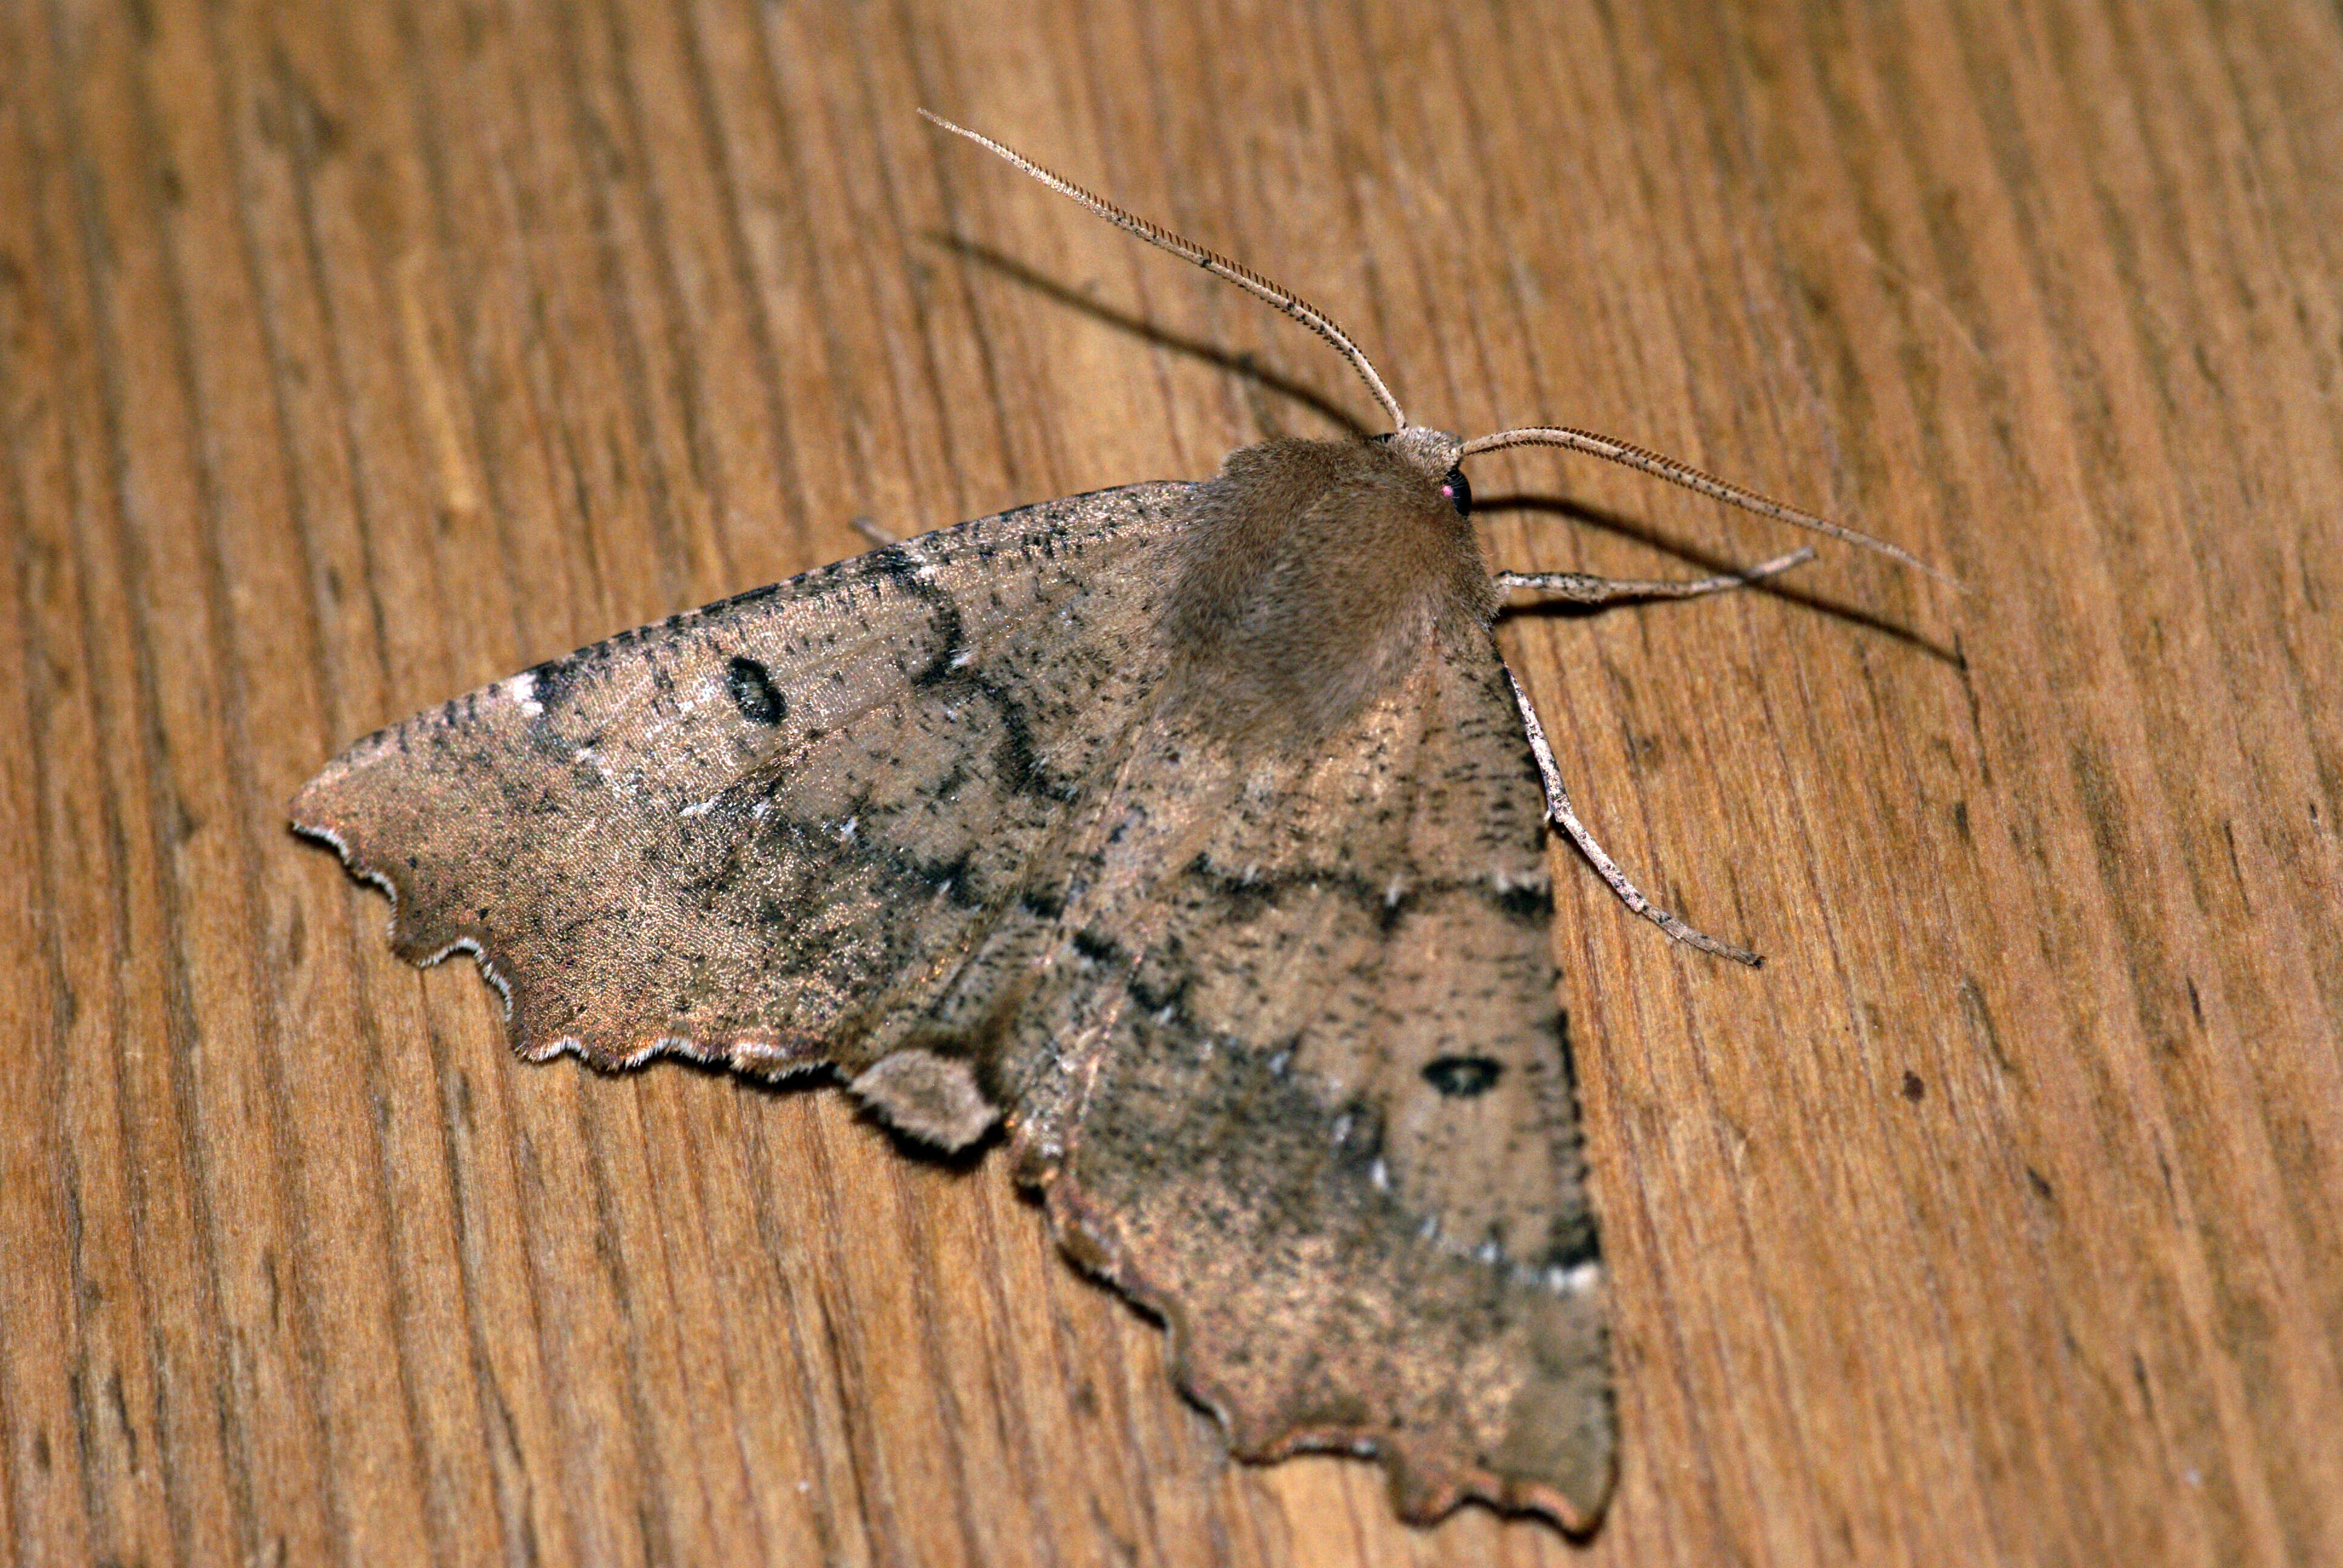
x: 353, y: 356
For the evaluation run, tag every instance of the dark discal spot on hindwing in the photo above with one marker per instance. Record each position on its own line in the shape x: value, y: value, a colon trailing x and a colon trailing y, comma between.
x: 1462, y: 1077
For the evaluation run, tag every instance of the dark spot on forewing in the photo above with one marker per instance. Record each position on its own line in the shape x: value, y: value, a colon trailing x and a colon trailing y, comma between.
x: 1462, y: 1077
x: 753, y: 692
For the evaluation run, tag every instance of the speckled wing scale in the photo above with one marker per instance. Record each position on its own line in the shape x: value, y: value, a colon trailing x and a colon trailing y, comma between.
x: 734, y: 833
x: 1275, y: 1034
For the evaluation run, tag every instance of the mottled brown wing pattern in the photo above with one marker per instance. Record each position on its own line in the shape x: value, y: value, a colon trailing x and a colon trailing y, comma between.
x: 1276, y: 1034
x: 1301, y: 1086
x: 746, y: 832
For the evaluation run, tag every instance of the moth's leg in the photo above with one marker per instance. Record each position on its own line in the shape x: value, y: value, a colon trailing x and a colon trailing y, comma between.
x: 869, y: 529
x: 1558, y: 810
x: 1577, y: 588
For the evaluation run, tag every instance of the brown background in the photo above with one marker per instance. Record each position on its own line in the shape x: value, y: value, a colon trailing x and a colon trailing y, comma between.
x: 351, y: 361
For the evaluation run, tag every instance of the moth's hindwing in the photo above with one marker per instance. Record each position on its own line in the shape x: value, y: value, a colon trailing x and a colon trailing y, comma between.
x: 1299, y: 1082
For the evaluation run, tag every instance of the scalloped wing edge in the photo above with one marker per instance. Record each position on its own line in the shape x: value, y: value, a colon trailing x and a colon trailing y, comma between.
x: 1423, y: 1489
x: 764, y: 1056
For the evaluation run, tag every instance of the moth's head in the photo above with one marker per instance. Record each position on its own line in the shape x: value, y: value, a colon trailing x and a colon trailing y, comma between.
x: 1435, y: 455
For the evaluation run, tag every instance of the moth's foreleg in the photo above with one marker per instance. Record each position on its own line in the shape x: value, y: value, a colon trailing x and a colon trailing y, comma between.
x: 1559, y: 811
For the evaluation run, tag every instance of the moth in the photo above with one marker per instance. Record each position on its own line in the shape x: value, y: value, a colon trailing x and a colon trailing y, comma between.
x: 1188, y: 838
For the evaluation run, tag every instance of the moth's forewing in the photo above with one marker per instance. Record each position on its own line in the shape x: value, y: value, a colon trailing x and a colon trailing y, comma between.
x: 739, y: 833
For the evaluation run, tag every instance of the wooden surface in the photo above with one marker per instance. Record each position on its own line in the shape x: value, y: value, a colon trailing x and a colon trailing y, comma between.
x: 352, y: 359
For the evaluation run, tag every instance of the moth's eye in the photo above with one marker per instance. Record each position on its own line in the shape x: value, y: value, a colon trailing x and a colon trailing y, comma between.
x: 1459, y: 491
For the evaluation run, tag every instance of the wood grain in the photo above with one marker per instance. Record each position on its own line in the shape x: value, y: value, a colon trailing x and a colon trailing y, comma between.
x: 353, y: 356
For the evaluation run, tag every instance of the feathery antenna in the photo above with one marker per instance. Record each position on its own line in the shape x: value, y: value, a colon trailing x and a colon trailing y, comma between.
x: 1692, y: 478
x: 1243, y: 276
